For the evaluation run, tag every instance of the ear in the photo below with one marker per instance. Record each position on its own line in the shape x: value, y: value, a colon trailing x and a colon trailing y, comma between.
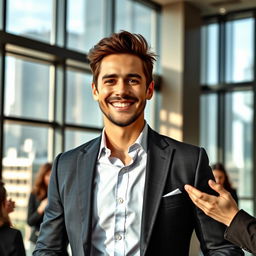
x: 95, y: 92
x: 150, y: 90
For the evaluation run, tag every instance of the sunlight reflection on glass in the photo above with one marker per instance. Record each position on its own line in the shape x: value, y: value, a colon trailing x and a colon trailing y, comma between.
x: 30, y: 18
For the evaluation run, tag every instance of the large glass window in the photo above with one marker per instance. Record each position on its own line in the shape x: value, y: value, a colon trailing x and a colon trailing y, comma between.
x: 210, y: 56
x: 150, y: 110
x: 30, y: 18
x: 239, y: 50
x: 238, y: 140
x: 74, y: 138
x: 80, y: 103
x: 27, y: 89
x: 234, y: 92
x: 209, y: 125
x: 86, y: 23
x: 137, y: 18
x: 25, y: 149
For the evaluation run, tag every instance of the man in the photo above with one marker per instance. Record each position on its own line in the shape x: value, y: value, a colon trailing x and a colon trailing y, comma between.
x: 122, y: 193
x: 241, y: 227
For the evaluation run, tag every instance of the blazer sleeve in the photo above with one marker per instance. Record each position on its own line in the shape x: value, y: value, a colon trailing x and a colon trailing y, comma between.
x: 210, y: 232
x: 52, y: 238
x: 242, y: 231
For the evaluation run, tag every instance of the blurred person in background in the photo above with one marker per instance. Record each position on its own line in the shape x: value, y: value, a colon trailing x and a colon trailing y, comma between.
x: 11, y: 242
x: 38, y: 200
x: 221, y: 177
x: 10, y: 206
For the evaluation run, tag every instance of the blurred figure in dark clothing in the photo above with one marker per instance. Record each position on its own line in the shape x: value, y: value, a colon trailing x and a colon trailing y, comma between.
x: 11, y: 242
x: 38, y: 200
x: 221, y: 177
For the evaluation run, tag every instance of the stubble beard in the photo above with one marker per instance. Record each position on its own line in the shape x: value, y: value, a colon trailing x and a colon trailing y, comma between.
x: 123, y: 123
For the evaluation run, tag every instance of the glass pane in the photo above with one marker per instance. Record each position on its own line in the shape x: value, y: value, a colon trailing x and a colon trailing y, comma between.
x: 210, y: 57
x: 26, y: 89
x: 247, y: 253
x: 86, y: 23
x: 209, y: 125
x: 25, y: 149
x: 240, y: 53
x: 149, y: 111
x: 77, y: 138
x: 136, y: 18
x: 246, y: 205
x: 30, y: 18
x: 238, y: 140
x: 81, y: 107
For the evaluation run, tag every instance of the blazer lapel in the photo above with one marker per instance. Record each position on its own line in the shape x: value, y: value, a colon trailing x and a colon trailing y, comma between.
x: 159, y: 158
x: 85, y: 174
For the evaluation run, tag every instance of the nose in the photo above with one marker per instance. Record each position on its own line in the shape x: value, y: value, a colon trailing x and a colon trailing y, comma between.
x: 121, y: 87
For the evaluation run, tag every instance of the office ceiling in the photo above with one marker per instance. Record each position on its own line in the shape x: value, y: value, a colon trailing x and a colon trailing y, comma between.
x: 209, y: 7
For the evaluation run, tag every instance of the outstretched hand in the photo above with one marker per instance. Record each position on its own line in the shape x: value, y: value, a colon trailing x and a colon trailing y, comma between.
x: 222, y: 208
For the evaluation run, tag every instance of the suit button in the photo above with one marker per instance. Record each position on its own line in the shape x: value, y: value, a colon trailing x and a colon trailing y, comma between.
x: 120, y: 200
x: 118, y: 237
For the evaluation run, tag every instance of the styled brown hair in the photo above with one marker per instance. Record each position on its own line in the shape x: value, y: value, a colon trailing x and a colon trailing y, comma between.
x: 40, y: 188
x: 4, y: 218
x: 123, y: 42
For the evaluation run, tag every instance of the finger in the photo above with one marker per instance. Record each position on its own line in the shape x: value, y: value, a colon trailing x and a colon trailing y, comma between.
x: 217, y: 187
x: 199, y: 198
x: 196, y: 195
x: 200, y: 203
x: 192, y: 190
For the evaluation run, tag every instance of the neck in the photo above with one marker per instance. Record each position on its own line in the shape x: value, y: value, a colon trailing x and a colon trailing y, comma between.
x: 119, y: 139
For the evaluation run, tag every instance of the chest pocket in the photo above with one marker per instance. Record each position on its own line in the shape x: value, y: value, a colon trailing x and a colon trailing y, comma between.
x: 174, y: 201
x: 175, y: 212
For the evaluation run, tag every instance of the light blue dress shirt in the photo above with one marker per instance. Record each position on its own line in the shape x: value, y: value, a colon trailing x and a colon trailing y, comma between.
x: 118, y: 200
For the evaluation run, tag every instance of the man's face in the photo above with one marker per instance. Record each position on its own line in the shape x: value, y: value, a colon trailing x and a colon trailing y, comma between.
x: 121, y: 89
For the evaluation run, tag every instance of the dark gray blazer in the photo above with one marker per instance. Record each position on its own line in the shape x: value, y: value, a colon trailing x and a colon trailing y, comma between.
x: 167, y: 222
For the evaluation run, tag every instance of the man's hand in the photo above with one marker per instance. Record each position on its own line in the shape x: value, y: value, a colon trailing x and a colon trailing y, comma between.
x: 222, y: 208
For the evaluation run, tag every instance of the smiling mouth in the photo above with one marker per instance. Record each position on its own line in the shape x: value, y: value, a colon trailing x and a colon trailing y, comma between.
x: 121, y: 104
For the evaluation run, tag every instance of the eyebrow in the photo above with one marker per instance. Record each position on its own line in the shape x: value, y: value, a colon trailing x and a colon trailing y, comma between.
x: 134, y: 75
x: 109, y: 76
x: 115, y: 75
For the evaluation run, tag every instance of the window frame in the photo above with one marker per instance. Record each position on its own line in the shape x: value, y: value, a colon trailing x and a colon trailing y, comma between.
x: 222, y: 88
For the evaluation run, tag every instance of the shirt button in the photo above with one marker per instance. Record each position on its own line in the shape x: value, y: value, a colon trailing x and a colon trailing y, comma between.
x: 120, y: 200
x: 118, y: 237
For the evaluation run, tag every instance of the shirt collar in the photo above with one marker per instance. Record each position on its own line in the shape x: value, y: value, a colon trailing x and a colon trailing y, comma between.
x: 141, y: 141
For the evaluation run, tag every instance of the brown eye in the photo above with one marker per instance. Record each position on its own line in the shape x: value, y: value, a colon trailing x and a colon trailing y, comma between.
x: 133, y: 81
x: 109, y: 81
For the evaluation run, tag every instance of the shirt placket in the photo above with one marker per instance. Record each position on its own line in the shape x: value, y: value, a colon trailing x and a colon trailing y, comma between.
x: 120, y: 213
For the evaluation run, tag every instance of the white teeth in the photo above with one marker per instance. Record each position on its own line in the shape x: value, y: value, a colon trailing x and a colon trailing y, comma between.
x: 120, y: 104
